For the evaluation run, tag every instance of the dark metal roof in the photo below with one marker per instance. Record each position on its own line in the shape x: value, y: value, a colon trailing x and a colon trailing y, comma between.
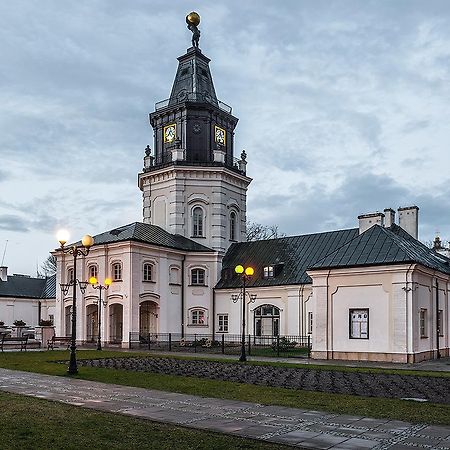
x: 379, y: 245
x: 291, y: 256
x: 22, y: 286
x: 149, y: 234
x: 49, y: 287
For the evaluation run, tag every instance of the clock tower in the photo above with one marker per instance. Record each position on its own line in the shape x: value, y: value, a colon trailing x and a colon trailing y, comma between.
x: 192, y: 184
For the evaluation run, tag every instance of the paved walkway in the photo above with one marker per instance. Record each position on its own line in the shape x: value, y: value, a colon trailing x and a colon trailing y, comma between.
x: 296, y: 427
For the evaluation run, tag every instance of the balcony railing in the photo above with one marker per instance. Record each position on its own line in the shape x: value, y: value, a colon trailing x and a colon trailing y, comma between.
x: 195, y: 97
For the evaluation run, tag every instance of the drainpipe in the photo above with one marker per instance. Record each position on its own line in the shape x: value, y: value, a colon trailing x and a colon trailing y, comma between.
x: 408, y: 289
x: 300, y: 310
x: 438, y: 354
x: 214, y: 314
x: 182, y: 296
x: 329, y: 332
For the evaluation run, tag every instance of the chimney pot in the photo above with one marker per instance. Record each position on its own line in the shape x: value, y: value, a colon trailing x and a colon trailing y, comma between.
x: 367, y: 221
x: 408, y: 219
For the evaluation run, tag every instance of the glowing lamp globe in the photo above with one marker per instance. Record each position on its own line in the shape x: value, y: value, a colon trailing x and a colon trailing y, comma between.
x: 249, y: 271
x: 193, y: 18
x: 63, y: 236
x: 87, y: 241
x: 108, y: 281
x: 239, y: 269
x: 92, y: 280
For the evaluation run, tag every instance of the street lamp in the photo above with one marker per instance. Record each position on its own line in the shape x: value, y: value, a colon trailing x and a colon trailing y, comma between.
x: 74, y: 250
x: 245, y: 274
x: 96, y: 285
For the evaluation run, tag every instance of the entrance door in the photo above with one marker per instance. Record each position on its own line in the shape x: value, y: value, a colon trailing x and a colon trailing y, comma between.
x: 148, y: 318
x: 115, y: 323
x: 91, y: 323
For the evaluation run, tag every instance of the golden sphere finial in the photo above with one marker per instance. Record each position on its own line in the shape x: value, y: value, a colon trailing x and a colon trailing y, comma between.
x: 193, y: 18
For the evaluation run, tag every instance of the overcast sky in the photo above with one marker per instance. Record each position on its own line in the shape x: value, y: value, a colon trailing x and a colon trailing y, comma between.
x: 344, y: 109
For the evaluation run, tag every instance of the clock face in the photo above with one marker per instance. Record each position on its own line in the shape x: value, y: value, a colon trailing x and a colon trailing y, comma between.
x: 170, y: 133
x: 220, y: 135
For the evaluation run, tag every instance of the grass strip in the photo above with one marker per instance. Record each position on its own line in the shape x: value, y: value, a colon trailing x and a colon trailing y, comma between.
x: 27, y: 422
x: 415, y: 412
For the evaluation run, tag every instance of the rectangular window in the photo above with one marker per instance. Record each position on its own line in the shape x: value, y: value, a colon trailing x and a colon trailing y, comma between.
x: 310, y: 322
x: 147, y: 272
x: 359, y: 323
x: 440, y: 324
x: 268, y: 272
x: 222, y: 323
x: 198, y: 277
x: 51, y: 318
x: 117, y: 272
x: 198, y: 317
x: 423, y: 323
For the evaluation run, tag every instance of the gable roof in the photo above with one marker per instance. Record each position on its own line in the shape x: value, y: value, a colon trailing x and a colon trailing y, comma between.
x: 379, y: 245
x: 27, y: 287
x: 295, y: 253
x: 149, y: 234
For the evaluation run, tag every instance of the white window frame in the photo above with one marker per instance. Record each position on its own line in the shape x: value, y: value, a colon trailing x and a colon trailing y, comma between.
x: 145, y: 272
x: 359, y: 323
x: 195, y: 279
x: 198, y: 227
x: 117, y: 274
x: 93, y: 270
x: 423, y: 323
x: 233, y: 225
x: 198, y: 317
x: 269, y: 272
x: 222, y: 323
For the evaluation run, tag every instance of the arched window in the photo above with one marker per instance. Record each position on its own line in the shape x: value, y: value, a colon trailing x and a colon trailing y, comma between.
x: 197, y: 222
x: 198, y: 277
x: 232, y: 226
x: 267, y: 320
x: 117, y: 271
x: 147, y: 272
x: 198, y: 316
x: 93, y: 271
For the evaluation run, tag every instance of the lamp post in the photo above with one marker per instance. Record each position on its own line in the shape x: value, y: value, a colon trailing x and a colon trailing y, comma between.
x: 74, y: 250
x: 245, y: 274
x: 94, y: 283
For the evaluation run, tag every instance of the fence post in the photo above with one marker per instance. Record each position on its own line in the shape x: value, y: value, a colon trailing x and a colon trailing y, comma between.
x: 278, y: 345
x: 249, y: 346
x: 223, y: 344
x: 170, y: 342
x: 195, y: 343
x: 309, y: 346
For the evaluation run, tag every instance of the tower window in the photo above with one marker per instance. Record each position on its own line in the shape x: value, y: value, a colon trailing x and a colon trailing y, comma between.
x: 198, y: 277
x: 197, y: 222
x: 232, y: 226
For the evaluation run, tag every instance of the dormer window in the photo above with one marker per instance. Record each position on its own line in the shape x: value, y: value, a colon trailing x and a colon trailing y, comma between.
x: 268, y: 272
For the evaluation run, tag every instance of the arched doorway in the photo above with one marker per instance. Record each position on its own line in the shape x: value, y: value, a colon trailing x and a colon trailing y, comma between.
x: 91, y: 323
x: 267, y: 320
x: 68, y: 320
x: 148, y: 318
x: 115, y: 323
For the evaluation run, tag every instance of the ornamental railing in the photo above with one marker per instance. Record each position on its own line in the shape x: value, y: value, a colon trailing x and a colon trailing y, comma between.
x: 227, y: 344
x: 194, y: 97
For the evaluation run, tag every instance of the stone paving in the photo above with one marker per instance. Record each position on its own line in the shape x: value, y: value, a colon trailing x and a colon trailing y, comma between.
x: 290, y: 426
x: 433, y: 389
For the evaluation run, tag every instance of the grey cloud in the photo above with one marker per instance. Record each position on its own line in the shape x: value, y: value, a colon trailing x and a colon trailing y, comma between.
x: 11, y: 222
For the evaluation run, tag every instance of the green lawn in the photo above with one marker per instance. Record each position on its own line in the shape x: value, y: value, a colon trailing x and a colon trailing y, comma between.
x: 339, y: 403
x: 31, y: 423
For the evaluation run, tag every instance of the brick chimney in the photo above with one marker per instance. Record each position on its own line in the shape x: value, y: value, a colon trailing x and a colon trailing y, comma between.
x: 408, y: 219
x: 367, y: 221
x: 3, y: 273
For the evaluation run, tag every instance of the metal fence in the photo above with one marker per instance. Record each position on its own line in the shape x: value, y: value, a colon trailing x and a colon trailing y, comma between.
x: 226, y: 344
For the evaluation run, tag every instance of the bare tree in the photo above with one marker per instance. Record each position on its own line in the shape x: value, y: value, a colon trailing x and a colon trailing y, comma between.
x: 48, y: 267
x: 258, y: 231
